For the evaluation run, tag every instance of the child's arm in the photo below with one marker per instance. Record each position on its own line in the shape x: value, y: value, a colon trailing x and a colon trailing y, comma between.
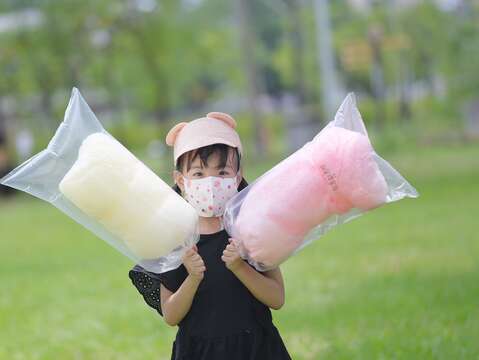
x: 267, y: 287
x: 176, y: 305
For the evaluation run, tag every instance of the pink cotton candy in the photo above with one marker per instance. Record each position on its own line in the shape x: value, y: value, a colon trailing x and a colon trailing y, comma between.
x: 330, y: 175
x: 330, y: 180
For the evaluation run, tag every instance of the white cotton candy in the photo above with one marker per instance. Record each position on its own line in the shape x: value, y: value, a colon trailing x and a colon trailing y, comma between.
x: 97, y: 182
x: 113, y: 187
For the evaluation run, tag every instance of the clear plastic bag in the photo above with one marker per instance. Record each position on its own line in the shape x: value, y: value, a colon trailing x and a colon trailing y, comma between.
x: 332, y: 179
x: 96, y: 181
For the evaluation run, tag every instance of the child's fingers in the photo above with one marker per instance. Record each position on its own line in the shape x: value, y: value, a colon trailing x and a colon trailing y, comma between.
x: 194, y: 260
x: 195, y: 267
x: 228, y: 255
x: 190, y: 252
x: 200, y: 268
x: 198, y: 262
x: 229, y: 259
x: 231, y: 247
x: 228, y: 252
x: 233, y: 241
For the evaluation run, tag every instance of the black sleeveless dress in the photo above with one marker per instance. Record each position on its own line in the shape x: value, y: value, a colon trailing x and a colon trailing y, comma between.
x: 225, y: 320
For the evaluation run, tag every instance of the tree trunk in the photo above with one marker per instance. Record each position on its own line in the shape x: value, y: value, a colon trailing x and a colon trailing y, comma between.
x: 299, y: 119
x: 247, y: 41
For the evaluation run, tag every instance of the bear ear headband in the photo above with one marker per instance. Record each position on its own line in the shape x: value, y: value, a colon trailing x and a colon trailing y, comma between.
x: 174, y: 132
x: 223, y: 117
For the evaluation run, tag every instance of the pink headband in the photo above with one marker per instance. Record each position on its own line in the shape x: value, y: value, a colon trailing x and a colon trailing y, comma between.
x: 216, y: 127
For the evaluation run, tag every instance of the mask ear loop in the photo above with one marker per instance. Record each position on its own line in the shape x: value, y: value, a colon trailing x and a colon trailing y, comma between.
x: 222, y: 216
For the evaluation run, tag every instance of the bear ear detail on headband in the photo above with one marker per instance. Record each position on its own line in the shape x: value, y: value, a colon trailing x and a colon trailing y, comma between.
x: 173, y: 133
x: 228, y: 119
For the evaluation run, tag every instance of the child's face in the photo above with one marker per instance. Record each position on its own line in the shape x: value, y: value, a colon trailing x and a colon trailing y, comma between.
x: 198, y: 170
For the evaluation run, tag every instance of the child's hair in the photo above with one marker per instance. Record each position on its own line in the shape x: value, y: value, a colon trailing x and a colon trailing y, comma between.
x: 204, y: 153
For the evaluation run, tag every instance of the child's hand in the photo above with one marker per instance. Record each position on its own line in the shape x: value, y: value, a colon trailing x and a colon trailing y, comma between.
x: 231, y: 256
x: 194, y: 263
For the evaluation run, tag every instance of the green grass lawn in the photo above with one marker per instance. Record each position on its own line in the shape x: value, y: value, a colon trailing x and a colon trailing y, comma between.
x: 400, y: 282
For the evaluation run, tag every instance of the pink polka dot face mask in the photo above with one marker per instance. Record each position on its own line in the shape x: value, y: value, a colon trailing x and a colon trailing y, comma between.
x: 210, y: 194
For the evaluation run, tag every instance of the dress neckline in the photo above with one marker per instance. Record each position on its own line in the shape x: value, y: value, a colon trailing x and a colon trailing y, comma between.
x: 212, y: 234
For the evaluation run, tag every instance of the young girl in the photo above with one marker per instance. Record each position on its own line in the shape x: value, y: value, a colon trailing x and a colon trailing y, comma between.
x: 219, y: 302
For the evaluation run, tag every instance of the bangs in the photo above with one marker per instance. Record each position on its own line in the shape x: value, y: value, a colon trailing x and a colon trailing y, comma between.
x: 205, y: 152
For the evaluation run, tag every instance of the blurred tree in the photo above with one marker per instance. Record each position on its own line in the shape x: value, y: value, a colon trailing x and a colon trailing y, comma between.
x: 375, y: 38
x: 146, y: 59
x: 3, y: 131
x: 254, y: 84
